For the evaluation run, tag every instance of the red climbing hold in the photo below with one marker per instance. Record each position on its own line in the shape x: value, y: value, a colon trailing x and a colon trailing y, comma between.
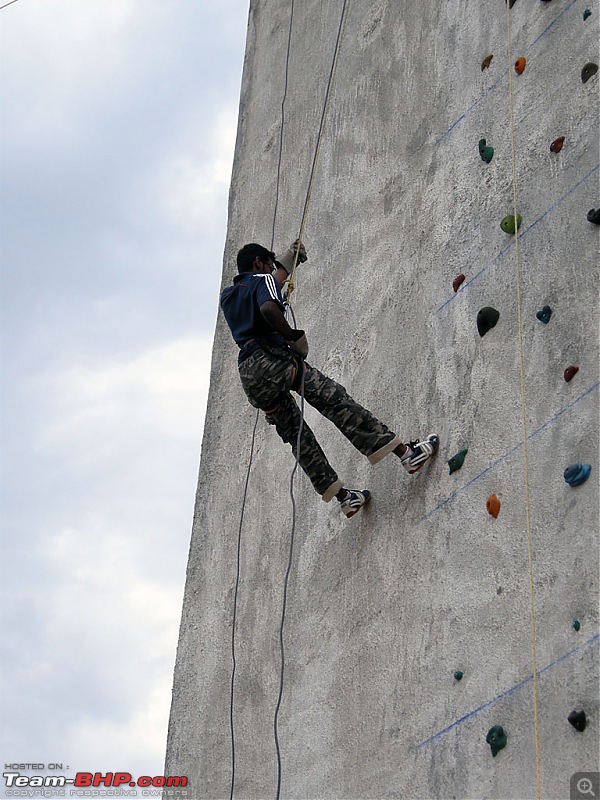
x: 457, y: 282
x: 493, y: 506
x: 520, y: 65
x: 557, y: 145
x: 570, y: 373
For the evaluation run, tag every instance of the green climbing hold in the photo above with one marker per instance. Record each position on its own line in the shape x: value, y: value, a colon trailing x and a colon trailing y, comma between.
x: 456, y: 462
x: 508, y: 223
x: 458, y: 675
x: 496, y: 739
x: 588, y: 71
x: 486, y: 153
x: 576, y: 625
x: 544, y: 314
x: 587, y: 13
x: 576, y: 474
x: 487, y: 61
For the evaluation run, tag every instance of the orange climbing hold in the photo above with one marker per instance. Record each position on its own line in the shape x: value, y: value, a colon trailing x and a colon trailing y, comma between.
x: 520, y: 65
x: 493, y: 506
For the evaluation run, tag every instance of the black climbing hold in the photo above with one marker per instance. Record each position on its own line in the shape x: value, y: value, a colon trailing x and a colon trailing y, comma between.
x: 587, y: 13
x: 576, y: 624
x: 486, y: 153
x: 458, y: 675
x: 457, y: 461
x: 578, y: 720
x: 544, y: 314
x: 496, y: 738
x: 576, y: 474
x: 508, y: 223
x: 588, y: 71
x: 570, y: 373
x: 488, y: 60
x: 456, y: 283
x: 594, y: 216
x: 487, y: 319
x: 557, y: 145
x: 511, y: 4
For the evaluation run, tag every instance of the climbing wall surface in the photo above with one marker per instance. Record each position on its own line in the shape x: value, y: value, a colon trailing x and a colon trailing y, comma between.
x: 383, y: 610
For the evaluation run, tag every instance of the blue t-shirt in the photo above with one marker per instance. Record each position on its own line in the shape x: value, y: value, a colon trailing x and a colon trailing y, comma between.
x: 241, y: 306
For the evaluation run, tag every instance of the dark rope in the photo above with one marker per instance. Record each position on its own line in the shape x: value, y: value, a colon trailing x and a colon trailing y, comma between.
x: 239, y: 544
x: 300, y: 427
x: 285, y: 585
x: 235, y: 598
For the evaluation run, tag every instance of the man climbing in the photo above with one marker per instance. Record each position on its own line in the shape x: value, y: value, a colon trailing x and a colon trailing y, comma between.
x: 272, y: 363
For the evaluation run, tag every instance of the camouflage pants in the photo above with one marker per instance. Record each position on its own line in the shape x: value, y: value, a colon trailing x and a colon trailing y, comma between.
x: 267, y: 378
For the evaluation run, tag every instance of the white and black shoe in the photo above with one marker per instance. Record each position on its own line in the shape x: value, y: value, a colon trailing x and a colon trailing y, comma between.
x: 420, y: 452
x: 354, y: 501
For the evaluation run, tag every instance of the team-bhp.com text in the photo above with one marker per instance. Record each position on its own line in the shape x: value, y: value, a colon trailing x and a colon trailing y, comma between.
x: 87, y: 780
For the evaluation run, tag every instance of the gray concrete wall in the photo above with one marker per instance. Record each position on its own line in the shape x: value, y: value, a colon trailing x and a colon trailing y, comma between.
x: 382, y: 609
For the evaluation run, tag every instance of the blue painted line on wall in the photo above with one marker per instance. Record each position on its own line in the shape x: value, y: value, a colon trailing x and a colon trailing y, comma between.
x: 521, y: 236
x: 554, y: 21
x: 470, y: 109
x: 510, y: 691
x: 513, y: 450
x: 501, y: 78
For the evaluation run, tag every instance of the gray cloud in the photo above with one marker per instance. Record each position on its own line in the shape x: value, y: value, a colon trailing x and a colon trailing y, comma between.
x: 119, y: 121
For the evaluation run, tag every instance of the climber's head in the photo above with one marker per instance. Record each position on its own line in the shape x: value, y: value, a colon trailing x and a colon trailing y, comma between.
x: 255, y: 258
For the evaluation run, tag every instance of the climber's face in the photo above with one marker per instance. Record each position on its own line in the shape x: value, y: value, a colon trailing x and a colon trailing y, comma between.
x: 263, y: 267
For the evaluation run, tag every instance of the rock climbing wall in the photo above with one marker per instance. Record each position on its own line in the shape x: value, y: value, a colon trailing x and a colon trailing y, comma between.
x: 430, y: 136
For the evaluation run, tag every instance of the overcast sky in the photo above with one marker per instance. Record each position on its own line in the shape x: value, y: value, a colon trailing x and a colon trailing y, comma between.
x: 118, y: 127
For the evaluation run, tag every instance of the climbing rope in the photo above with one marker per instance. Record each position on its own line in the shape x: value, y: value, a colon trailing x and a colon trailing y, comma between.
x: 341, y: 27
x: 524, y: 412
x: 290, y: 288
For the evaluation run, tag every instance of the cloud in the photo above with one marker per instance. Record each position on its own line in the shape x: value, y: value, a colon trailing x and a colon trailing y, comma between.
x: 119, y: 124
x: 191, y: 181
x: 101, y: 571
x: 162, y: 391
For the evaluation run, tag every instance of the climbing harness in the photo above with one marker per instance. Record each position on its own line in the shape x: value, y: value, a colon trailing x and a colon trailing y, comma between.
x: 524, y: 413
x: 289, y: 290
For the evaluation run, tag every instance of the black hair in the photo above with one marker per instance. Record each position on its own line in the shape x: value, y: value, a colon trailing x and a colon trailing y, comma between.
x: 246, y: 256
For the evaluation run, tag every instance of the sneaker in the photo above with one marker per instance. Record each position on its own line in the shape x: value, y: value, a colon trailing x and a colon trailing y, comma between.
x: 355, y: 501
x: 420, y: 452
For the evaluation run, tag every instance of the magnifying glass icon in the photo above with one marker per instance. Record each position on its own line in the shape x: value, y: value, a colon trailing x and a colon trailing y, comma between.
x: 585, y: 786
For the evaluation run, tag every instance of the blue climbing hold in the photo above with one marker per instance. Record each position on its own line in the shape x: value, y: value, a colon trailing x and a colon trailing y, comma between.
x: 577, y: 474
x: 544, y: 314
